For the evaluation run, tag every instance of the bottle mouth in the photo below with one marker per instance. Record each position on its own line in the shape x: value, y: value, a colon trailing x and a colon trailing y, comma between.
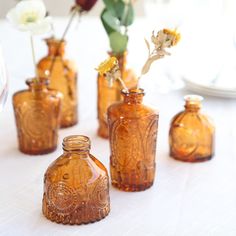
x: 53, y: 40
x: 192, y: 98
x: 133, y: 91
x: 40, y: 82
x: 119, y: 54
x: 76, y: 142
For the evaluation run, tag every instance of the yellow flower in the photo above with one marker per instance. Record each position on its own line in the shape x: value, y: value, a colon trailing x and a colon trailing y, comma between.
x: 107, y: 65
x: 173, y: 35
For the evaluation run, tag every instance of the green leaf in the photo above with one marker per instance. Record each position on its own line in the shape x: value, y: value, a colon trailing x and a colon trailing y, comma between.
x: 109, y: 22
x: 116, y: 7
x: 110, y: 5
x: 118, y: 42
x: 128, y: 15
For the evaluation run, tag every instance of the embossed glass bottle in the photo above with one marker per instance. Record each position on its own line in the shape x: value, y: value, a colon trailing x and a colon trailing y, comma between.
x: 76, y: 185
x: 133, y: 134
x: 63, y: 78
x: 108, y: 95
x: 37, y: 113
x: 191, y: 136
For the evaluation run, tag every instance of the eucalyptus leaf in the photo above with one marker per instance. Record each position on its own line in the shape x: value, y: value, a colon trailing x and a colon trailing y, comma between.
x: 118, y: 42
x: 128, y: 15
x: 110, y: 22
x: 109, y: 5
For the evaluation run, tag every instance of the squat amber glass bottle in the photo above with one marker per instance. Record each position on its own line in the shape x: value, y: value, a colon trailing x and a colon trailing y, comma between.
x: 133, y: 134
x: 191, y: 135
x: 76, y: 185
x: 108, y: 95
x: 63, y: 77
x: 37, y: 112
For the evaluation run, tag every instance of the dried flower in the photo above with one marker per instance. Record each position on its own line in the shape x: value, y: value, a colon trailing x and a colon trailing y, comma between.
x: 107, y: 65
x: 86, y: 5
x: 163, y: 39
x: 111, y: 70
x: 30, y: 15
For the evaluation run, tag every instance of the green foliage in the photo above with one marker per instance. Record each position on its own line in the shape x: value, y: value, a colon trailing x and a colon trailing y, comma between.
x: 118, y: 42
x: 116, y: 17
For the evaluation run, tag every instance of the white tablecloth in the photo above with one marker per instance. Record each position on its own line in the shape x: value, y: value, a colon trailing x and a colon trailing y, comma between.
x: 186, y: 199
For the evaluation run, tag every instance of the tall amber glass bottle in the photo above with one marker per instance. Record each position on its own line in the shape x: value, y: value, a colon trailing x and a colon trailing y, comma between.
x: 76, y: 185
x: 63, y: 77
x: 37, y: 112
x: 133, y: 134
x: 191, y: 135
x: 108, y: 95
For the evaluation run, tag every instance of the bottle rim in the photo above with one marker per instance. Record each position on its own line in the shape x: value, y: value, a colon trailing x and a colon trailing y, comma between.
x: 193, y: 98
x: 76, y: 142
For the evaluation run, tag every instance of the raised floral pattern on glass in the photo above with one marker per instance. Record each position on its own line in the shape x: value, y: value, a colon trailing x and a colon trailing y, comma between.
x: 133, y: 134
x: 37, y: 113
x: 63, y: 77
x: 192, y: 133
x: 76, y: 185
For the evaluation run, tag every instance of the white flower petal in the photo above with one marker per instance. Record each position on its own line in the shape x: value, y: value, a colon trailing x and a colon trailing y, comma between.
x: 12, y: 16
x: 29, y: 15
x: 31, y: 6
x: 42, y: 27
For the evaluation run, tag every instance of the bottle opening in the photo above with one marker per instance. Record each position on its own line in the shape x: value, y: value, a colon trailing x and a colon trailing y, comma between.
x: 133, y: 91
x: 193, y: 98
x: 76, y: 143
x: 193, y: 102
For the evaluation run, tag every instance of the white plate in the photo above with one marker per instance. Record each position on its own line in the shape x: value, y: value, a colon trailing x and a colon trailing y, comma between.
x: 210, y: 90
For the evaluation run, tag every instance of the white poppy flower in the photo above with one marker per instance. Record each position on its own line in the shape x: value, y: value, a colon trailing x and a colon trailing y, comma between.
x: 30, y: 15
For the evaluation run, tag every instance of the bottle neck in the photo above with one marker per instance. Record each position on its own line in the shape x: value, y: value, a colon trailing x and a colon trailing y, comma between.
x: 37, y: 85
x: 76, y: 144
x: 122, y: 59
x: 56, y: 47
x: 133, y: 96
x: 193, y: 103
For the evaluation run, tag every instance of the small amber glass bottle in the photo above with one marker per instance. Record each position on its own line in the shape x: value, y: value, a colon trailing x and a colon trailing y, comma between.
x: 108, y: 95
x: 133, y: 134
x: 76, y: 185
x: 37, y: 113
x: 63, y: 77
x: 191, y: 136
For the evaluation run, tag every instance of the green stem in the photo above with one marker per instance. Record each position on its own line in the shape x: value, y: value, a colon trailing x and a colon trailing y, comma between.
x: 34, y: 58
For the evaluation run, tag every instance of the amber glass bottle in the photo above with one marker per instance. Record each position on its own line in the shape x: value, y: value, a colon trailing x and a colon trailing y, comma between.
x: 76, y: 185
x: 37, y: 113
x: 108, y: 95
x: 63, y: 77
x: 191, y: 135
x: 133, y: 133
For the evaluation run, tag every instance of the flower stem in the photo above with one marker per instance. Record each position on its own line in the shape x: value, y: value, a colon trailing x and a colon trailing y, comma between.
x: 122, y: 84
x: 34, y: 58
x: 138, y: 83
x: 63, y: 37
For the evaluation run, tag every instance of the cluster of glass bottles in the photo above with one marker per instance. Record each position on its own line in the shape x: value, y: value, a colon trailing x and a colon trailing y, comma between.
x: 76, y: 185
x: 50, y: 102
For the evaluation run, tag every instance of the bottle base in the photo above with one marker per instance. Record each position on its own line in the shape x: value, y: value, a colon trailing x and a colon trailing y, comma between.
x: 132, y: 188
x: 192, y: 159
x: 103, y: 132
x: 68, y: 220
x: 68, y: 124
x: 38, y: 152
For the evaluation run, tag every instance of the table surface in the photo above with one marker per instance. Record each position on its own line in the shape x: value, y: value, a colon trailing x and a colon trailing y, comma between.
x: 186, y: 199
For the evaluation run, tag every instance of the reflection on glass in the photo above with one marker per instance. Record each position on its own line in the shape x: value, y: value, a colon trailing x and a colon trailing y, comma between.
x: 3, y: 81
